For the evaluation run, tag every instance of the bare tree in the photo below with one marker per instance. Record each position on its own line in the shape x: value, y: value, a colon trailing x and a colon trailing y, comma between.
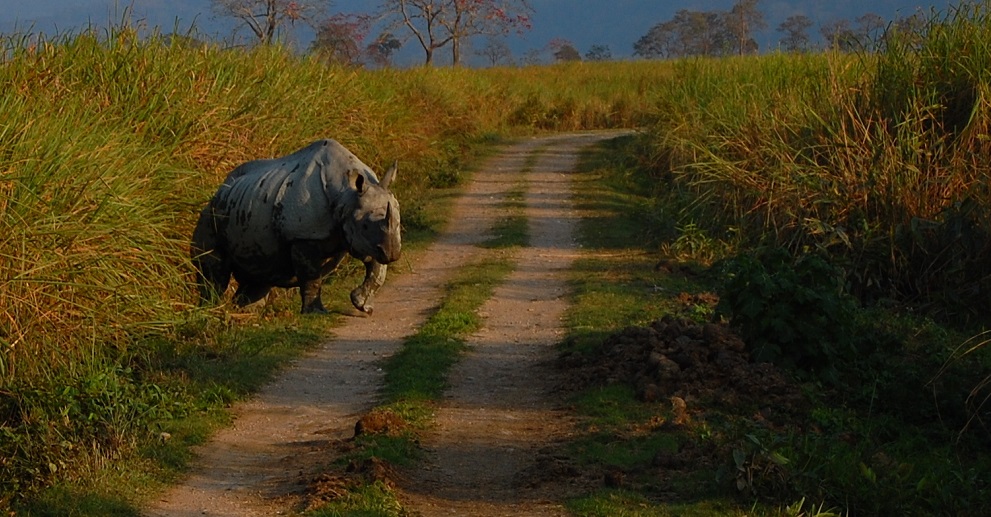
x: 741, y: 22
x: 796, y: 37
x: 484, y: 18
x: 265, y: 18
x: 422, y: 19
x: 534, y: 56
x: 437, y: 23
x: 496, y: 50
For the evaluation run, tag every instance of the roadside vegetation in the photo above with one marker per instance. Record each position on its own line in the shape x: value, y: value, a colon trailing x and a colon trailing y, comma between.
x: 833, y: 210
x: 110, y: 145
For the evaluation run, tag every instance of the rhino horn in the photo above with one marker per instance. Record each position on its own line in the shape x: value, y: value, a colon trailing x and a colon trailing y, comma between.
x: 390, y: 175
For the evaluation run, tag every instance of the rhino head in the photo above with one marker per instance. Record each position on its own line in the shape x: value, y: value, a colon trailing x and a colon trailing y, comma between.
x: 373, y: 229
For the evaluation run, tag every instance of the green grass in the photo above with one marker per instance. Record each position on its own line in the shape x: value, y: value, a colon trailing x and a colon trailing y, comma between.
x: 872, y: 445
x: 368, y: 500
x: 111, y: 143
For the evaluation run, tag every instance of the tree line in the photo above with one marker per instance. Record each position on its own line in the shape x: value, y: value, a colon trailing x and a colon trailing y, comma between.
x: 434, y: 25
x: 450, y: 25
x: 722, y: 33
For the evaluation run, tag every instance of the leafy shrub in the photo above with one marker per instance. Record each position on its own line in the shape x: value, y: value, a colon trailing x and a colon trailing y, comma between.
x: 789, y: 310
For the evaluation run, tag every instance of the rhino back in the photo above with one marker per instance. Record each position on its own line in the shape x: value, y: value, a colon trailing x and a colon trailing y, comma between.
x: 301, y: 196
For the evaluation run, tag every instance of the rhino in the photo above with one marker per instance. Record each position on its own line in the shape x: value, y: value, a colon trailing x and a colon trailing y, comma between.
x: 288, y: 222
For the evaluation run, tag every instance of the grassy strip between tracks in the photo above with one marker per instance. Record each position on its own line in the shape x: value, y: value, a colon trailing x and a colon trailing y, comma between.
x: 416, y: 376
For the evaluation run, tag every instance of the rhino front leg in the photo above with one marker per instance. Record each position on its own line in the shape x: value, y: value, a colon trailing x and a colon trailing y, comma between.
x: 361, y: 297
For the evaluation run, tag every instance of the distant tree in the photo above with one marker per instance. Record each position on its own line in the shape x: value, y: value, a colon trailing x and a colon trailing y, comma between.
x: 496, y: 51
x: 563, y: 50
x: 379, y: 52
x: 266, y: 18
x: 741, y: 22
x: 840, y: 36
x: 909, y: 30
x: 796, y: 37
x: 598, y: 53
x: 422, y: 19
x: 870, y: 28
x: 656, y: 43
x: 689, y: 33
x: 339, y: 38
x: 187, y: 41
x: 534, y: 56
x: 485, y: 18
x: 701, y: 33
x: 438, y: 23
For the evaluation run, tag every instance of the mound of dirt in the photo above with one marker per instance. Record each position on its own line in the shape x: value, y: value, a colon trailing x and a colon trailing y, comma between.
x: 380, y: 422
x: 678, y: 360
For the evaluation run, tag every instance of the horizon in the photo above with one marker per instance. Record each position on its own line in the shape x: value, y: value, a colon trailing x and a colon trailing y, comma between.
x: 616, y: 25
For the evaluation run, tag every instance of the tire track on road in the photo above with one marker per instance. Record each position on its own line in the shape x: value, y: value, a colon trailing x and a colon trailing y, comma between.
x: 499, y: 415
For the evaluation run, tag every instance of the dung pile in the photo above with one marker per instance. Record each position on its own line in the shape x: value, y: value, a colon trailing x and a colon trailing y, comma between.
x: 698, y: 363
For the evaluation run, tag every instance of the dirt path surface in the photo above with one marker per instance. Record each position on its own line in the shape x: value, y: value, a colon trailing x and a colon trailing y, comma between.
x: 498, y: 416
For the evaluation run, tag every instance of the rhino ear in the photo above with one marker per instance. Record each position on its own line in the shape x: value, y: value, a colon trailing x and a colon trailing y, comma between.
x: 356, y: 180
x: 389, y: 175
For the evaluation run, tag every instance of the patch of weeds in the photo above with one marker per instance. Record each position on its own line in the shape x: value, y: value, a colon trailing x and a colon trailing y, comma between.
x: 57, y: 499
x: 375, y: 499
x: 613, y: 502
x: 400, y: 449
x: 613, y: 405
x: 626, y: 453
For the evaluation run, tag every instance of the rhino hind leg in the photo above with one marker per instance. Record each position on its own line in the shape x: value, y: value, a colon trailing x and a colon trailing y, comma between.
x: 213, y: 273
x: 250, y: 292
x: 361, y: 296
x: 310, y: 294
x: 212, y: 277
x: 308, y: 262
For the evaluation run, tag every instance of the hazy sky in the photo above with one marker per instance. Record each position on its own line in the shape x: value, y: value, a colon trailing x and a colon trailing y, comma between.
x: 615, y: 23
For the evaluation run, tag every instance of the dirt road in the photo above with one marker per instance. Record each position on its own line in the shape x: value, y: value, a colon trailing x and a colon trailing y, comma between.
x: 498, y: 415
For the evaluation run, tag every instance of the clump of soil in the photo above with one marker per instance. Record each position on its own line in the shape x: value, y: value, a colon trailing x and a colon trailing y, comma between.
x: 328, y: 487
x: 678, y: 360
x: 338, y: 483
x: 380, y: 422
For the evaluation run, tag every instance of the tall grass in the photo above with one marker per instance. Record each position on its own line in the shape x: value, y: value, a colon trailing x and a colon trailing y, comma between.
x: 111, y: 142
x: 880, y: 160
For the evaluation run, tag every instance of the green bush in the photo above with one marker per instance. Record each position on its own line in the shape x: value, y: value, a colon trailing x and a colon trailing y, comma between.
x: 790, y: 311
